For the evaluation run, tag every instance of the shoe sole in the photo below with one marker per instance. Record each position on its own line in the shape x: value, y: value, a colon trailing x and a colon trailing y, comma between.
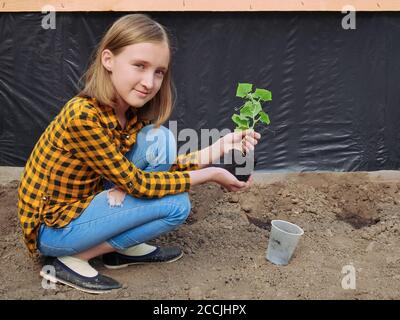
x: 55, y: 280
x: 121, y: 266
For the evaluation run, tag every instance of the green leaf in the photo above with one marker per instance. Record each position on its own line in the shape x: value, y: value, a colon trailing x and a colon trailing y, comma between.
x: 247, y: 110
x: 244, y: 117
x: 238, y: 129
x: 251, y: 109
x: 257, y: 108
x: 264, y: 118
x: 263, y: 94
x: 240, y: 121
x: 243, y: 89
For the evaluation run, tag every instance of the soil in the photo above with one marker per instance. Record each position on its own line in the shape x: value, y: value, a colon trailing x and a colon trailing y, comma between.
x: 348, y: 221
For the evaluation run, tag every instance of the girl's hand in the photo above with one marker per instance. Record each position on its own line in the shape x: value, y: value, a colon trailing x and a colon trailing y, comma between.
x: 242, y: 140
x: 227, y: 180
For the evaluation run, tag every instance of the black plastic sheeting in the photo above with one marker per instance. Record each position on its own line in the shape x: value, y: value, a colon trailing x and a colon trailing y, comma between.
x: 336, y: 97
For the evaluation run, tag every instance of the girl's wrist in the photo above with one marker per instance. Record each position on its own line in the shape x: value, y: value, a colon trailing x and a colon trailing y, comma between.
x: 202, y: 175
x: 214, y: 173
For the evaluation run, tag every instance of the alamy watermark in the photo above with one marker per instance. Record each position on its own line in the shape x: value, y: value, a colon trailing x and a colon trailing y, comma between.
x: 192, y: 140
x: 349, y: 20
x: 49, y: 20
x: 48, y: 272
x: 349, y: 280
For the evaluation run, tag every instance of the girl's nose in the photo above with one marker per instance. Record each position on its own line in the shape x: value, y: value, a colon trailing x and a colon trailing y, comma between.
x: 148, y: 81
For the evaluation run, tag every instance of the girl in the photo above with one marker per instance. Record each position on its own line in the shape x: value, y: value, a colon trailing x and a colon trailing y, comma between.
x: 95, y: 185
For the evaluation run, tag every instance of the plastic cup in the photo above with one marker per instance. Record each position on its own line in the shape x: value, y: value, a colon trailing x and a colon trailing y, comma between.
x: 283, y: 240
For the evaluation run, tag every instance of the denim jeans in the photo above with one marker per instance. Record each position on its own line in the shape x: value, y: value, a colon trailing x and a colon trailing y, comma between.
x: 138, y: 220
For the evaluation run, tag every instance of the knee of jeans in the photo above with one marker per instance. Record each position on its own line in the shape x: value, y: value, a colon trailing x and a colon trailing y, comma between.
x: 182, y: 209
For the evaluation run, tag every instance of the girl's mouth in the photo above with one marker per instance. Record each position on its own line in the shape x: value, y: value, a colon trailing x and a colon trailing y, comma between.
x: 141, y: 93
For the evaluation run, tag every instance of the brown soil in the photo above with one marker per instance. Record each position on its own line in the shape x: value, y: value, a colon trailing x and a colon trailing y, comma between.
x: 347, y: 219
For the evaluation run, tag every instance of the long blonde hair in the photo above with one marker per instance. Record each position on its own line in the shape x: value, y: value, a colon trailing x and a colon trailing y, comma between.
x: 128, y: 30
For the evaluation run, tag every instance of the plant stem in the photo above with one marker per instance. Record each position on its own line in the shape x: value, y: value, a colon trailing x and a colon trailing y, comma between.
x: 252, y: 100
x: 251, y: 97
x: 255, y: 121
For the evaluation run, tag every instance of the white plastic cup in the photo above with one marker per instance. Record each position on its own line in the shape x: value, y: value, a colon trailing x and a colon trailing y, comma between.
x: 283, y: 240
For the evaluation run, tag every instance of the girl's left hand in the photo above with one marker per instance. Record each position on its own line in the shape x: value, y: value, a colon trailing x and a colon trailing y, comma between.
x: 242, y: 140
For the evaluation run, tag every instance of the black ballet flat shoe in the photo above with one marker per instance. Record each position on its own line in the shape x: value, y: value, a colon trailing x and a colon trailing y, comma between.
x: 64, y: 275
x: 115, y: 260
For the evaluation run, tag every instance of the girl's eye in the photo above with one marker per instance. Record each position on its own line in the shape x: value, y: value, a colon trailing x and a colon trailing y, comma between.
x: 139, y: 65
x: 161, y: 73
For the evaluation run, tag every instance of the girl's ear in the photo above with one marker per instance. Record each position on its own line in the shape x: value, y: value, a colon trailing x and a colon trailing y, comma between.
x: 107, y: 59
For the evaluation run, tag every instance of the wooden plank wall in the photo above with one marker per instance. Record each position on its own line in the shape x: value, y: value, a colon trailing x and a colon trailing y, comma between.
x: 198, y: 5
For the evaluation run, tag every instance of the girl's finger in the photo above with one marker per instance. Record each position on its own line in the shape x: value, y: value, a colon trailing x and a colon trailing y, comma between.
x: 248, y: 132
x: 256, y: 135
x: 249, y: 182
x: 240, y: 184
x: 251, y: 140
x: 249, y: 146
x: 243, y: 188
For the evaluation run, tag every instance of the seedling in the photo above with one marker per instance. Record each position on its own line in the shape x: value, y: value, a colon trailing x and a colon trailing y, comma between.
x: 250, y: 114
x: 251, y: 111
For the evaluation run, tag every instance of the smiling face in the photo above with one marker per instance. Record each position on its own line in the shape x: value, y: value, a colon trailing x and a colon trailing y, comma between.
x: 137, y: 72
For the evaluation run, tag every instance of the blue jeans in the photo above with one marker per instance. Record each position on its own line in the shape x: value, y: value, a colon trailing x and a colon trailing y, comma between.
x: 137, y: 221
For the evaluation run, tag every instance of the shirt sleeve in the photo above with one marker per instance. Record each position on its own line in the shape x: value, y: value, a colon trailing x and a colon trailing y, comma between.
x: 88, y: 141
x: 186, y: 162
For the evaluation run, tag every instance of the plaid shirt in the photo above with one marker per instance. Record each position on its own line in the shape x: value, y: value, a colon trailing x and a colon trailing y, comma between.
x: 81, y: 147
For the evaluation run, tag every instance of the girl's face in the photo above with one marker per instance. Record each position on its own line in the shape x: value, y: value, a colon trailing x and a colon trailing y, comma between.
x: 137, y: 71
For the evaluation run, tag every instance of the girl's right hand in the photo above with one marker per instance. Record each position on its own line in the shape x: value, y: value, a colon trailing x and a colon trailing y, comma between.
x: 227, y: 180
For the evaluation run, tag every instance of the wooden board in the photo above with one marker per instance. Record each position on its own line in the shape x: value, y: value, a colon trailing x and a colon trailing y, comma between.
x: 197, y: 5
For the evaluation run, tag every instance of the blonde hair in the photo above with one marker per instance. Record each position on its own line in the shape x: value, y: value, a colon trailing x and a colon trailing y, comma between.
x: 128, y: 30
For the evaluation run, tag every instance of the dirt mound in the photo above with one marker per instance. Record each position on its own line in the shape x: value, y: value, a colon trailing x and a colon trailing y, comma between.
x: 347, y: 219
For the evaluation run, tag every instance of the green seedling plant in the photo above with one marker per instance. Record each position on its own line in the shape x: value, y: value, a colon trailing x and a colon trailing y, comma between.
x: 251, y: 112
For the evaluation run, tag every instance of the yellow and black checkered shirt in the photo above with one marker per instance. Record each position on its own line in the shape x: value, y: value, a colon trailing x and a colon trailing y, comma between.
x: 83, y: 146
